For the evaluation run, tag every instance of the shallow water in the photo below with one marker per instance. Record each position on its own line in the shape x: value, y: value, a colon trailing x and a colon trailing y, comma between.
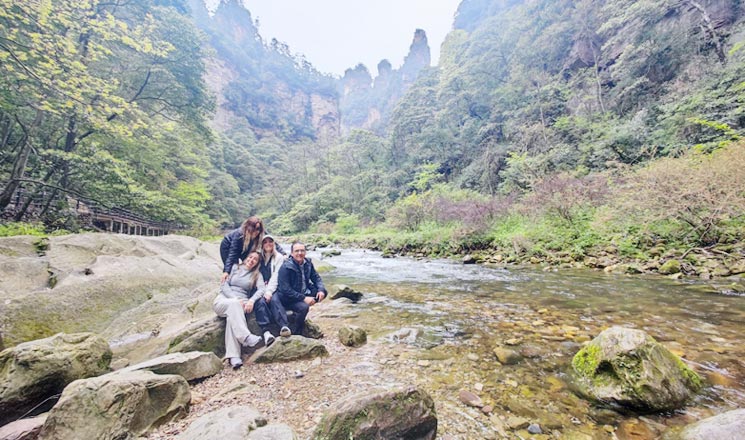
x: 463, y: 312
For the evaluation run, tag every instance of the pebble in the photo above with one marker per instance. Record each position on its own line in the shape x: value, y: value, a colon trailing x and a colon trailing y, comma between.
x: 535, y: 428
x: 299, y: 374
x: 470, y: 399
x: 423, y: 363
x: 488, y: 409
x: 478, y: 386
x: 472, y: 357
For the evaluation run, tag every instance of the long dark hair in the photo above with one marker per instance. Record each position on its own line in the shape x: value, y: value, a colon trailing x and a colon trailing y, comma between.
x: 252, y: 224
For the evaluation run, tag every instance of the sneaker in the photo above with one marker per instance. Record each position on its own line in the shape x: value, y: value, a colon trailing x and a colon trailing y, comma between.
x: 236, y: 363
x: 251, y: 340
x: 285, y: 332
x: 268, y: 339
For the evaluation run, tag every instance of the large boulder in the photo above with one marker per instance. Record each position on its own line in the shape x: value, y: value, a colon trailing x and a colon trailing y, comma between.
x: 726, y: 426
x: 87, y: 282
x: 291, y: 349
x: 401, y: 413
x: 209, y: 334
x: 33, y: 371
x: 120, y: 405
x: 627, y: 369
x: 235, y: 423
x: 191, y: 366
x: 205, y: 335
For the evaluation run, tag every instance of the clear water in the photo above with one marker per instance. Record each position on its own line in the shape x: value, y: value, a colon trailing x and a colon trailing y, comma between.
x: 465, y: 311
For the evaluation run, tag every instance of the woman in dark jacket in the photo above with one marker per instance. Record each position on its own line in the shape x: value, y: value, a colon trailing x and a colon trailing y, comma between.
x: 240, y: 242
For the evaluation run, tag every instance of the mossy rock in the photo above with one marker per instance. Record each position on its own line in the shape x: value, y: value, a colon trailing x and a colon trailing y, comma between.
x: 400, y: 413
x: 670, y: 267
x: 626, y: 369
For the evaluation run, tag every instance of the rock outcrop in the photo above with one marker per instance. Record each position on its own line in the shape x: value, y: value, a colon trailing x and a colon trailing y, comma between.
x: 291, y: 349
x: 34, y: 371
x: 192, y: 365
x: 87, y: 282
x: 209, y: 334
x: 235, y: 423
x: 627, y: 369
x: 117, y: 405
x: 402, y: 413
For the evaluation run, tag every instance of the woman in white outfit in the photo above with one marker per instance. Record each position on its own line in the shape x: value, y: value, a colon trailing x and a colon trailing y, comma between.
x: 243, y: 288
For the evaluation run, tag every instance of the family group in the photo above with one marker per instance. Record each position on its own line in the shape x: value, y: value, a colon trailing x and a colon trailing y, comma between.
x: 258, y: 278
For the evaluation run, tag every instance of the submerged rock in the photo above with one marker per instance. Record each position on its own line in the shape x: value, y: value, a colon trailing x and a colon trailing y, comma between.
x: 116, y: 406
x: 33, y: 371
x: 726, y: 426
x: 401, y: 413
x: 627, y: 369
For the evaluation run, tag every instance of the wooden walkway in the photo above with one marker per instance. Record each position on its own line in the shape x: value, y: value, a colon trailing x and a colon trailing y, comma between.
x: 91, y: 213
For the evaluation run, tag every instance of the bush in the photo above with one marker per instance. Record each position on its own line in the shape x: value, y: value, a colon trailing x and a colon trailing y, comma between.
x: 701, y: 193
x: 20, y: 228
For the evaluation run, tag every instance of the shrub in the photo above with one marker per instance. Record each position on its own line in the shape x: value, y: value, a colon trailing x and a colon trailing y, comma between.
x: 701, y: 193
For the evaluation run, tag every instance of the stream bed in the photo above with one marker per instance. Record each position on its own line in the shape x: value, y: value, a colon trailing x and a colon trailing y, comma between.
x: 439, y: 321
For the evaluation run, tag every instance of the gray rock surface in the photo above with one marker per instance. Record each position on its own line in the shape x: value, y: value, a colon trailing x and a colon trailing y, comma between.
x: 290, y: 349
x: 726, y: 426
x: 352, y: 336
x: 275, y: 431
x: 627, y: 368
x: 33, y: 371
x: 192, y: 365
x: 119, y: 405
x: 401, y: 413
x: 24, y: 429
x: 232, y: 423
x: 86, y: 282
x: 205, y: 335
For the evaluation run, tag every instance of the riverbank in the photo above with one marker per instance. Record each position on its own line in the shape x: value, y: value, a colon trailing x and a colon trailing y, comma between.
x: 721, y: 260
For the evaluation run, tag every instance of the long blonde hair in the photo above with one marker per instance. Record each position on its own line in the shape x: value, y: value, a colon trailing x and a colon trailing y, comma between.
x: 248, y: 227
x: 255, y: 272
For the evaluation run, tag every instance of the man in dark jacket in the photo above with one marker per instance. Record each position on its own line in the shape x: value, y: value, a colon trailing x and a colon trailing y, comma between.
x: 299, y: 288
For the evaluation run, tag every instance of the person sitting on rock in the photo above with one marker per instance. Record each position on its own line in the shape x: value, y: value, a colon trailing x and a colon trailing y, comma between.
x: 269, y: 264
x: 238, y: 243
x: 298, y: 288
x: 238, y: 296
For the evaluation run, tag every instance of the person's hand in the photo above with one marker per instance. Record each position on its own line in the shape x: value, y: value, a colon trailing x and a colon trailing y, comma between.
x: 309, y: 300
x: 248, y: 307
x: 267, y: 297
x: 321, y: 295
x: 224, y: 277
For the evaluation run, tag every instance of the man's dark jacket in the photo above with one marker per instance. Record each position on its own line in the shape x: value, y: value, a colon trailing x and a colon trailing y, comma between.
x: 290, y: 284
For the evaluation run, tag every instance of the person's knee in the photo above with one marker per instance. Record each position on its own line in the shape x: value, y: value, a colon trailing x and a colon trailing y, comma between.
x: 302, y: 308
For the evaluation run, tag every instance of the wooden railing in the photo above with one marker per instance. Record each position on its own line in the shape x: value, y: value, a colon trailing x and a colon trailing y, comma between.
x: 91, y: 213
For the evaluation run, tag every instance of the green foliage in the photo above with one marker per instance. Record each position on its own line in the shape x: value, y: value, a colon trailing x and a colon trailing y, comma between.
x: 20, y: 228
x: 105, y: 102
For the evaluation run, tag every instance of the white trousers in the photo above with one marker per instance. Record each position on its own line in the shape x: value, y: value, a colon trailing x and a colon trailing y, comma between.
x: 236, y: 329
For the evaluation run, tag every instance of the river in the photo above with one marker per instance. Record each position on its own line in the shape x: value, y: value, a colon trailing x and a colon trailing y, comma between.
x: 454, y: 315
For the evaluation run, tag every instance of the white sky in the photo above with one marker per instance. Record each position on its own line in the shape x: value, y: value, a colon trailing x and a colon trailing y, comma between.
x: 337, y: 34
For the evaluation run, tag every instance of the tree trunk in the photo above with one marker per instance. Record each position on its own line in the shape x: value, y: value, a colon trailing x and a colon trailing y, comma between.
x: 19, y: 166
